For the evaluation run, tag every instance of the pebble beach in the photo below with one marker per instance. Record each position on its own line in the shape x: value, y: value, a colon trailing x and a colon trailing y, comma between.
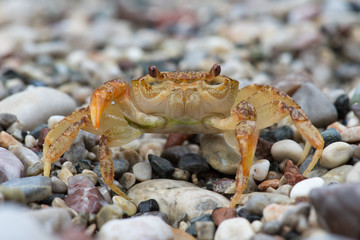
x: 54, y: 54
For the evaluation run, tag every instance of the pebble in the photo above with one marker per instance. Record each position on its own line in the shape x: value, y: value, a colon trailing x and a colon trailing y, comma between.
x: 316, y: 105
x: 351, y: 134
x: 354, y: 174
x: 173, y: 197
x: 173, y: 154
x: 277, y: 134
x: 30, y: 141
x: 53, y: 120
x: 221, y: 185
x: 82, y: 164
x: 336, y: 154
x: 154, y: 147
x: 56, y: 103
x: 25, y: 155
x: 272, y: 183
x: 256, y: 202
x: 120, y: 167
x: 7, y: 119
x: 12, y: 194
x: 131, y: 156
x: 58, y: 186
x: 219, y: 154
x: 10, y: 166
x: 205, y: 230
x: 256, y: 226
x: 337, y: 175
x: 180, y: 174
x: 65, y: 174
x: 193, y: 163
x: 331, y: 135
x: 6, y: 140
x: 127, y: 206
x: 242, y: 212
x: 338, y: 213
x: 108, y: 213
x: 90, y: 175
x: 233, y: 229
x: 260, y: 169
x: 127, y: 180
x: 35, y: 169
x: 138, y: 228
x: 303, y: 188
x: 161, y: 166
x: 342, y: 105
x: 142, y: 171
x: 274, y: 212
x: 82, y: 195
x: 221, y: 214
x: 286, y: 149
x: 35, y: 188
x: 148, y: 206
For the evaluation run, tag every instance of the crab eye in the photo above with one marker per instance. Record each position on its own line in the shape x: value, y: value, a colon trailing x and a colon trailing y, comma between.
x: 153, y: 71
x: 217, y: 69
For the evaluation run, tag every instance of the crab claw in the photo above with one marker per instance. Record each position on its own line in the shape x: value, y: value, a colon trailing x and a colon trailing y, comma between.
x: 103, y: 96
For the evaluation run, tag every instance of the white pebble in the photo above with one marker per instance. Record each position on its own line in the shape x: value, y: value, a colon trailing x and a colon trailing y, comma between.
x: 138, y: 228
x: 53, y: 120
x: 30, y: 141
x: 154, y: 147
x: 142, y: 171
x: 234, y: 229
x: 354, y: 174
x: 286, y: 149
x: 259, y: 170
x: 303, y: 188
x: 256, y: 226
x: 336, y: 154
x: 128, y: 207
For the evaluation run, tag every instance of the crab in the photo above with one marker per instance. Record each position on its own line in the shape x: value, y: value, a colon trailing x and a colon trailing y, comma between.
x: 181, y: 102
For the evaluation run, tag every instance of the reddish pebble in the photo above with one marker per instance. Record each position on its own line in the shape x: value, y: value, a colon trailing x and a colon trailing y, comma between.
x: 274, y: 183
x: 175, y: 140
x: 292, y: 173
x: 221, y: 214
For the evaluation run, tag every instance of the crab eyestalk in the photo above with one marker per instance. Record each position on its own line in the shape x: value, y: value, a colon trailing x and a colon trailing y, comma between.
x: 155, y: 73
x: 213, y: 73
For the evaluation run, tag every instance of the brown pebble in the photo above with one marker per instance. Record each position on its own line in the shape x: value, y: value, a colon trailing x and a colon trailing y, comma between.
x: 179, y: 234
x: 176, y: 139
x: 6, y: 140
x: 273, y: 175
x: 351, y: 135
x: 292, y: 173
x: 274, y: 183
x: 263, y: 149
x: 221, y: 214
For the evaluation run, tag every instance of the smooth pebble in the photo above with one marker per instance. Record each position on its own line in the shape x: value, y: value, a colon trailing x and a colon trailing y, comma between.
x: 53, y: 120
x: 259, y: 170
x: 234, y: 229
x: 336, y: 154
x: 142, y: 171
x: 127, y: 206
x: 354, y: 174
x: 303, y: 188
x: 10, y: 166
x: 26, y: 156
x: 286, y: 149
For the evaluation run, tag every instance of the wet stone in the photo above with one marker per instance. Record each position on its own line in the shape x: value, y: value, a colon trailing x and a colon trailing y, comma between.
x: 193, y: 163
x: 342, y: 105
x: 34, y: 188
x: 221, y: 214
x: 148, y: 206
x: 161, y: 166
x: 278, y: 134
x: 10, y: 166
x: 83, y: 195
x: 173, y: 154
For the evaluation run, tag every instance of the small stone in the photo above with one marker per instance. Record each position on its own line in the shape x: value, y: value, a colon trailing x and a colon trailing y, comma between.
x: 273, y: 212
x: 105, y: 192
x: 303, y: 188
x: 6, y: 140
x: 256, y: 226
x: 221, y: 185
x: 242, y: 212
x: 180, y: 174
x: 235, y: 228
x: 138, y: 228
x: 131, y: 156
x: 127, y: 180
x: 161, y: 166
x: 205, y: 230
x: 176, y: 139
x: 58, y: 186
x: 272, y: 227
x: 337, y: 208
x: 286, y: 149
x: 219, y: 154
x: 128, y: 207
x: 53, y: 120
x: 30, y: 141
x: 153, y: 213
x: 342, y: 105
x: 142, y: 171
x: 13, y: 194
x: 316, y: 105
x: 10, y: 166
x: 70, y: 166
x: 56, y: 103
x: 35, y: 188
x: 273, y: 183
x: 292, y: 173
x: 35, y: 169
x: 351, y: 135
x: 336, y: 154
x: 91, y: 175
x: 108, y: 213
x: 7, y: 119
x: 256, y: 202
x: 82, y: 164
x: 221, y: 214
x: 148, y: 206
x: 193, y: 163
x: 26, y: 156
x: 173, y: 154
x: 259, y: 170
x: 354, y: 174
x: 153, y: 147
x: 65, y: 174
x: 277, y: 134
x: 83, y: 195
x: 337, y: 175
x: 191, y: 229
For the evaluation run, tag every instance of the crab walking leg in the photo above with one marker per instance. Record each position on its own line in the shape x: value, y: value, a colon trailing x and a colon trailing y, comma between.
x: 59, y: 139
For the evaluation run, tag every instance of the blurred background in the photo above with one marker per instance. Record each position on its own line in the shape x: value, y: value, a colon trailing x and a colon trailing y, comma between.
x: 77, y: 45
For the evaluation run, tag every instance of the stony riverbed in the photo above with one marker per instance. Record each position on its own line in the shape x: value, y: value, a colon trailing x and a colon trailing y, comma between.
x: 53, y: 54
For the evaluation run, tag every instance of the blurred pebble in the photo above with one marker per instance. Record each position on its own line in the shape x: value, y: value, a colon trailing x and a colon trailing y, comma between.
x: 235, y: 228
x: 53, y: 120
x: 173, y: 154
x: 34, y: 188
x: 127, y: 180
x: 316, y: 105
x: 303, y: 188
x: 56, y: 103
x: 193, y: 163
x: 354, y: 174
x: 242, y: 212
x: 16, y: 130
x: 336, y: 154
x: 351, y: 135
x: 278, y: 134
x: 65, y: 174
x: 13, y: 194
x: 161, y: 166
x: 108, y: 213
x: 286, y: 149
x: 82, y: 195
x: 342, y: 106
x: 221, y: 185
x: 272, y: 183
x: 26, y: 156
x: 82, y: 164
x: 7, y: 119
x: 148, y: 206
x: 131, y: 156
x: 30, y: 141
x: 337, y: 175
x: 90, y: 175
x: 330, y: 136
x: 58, y: 186
x: 138, y: 228
x: 180, y: 174
x: 128, y: 207
x: 153, y: 147
x: 219, y: 154
x: 6, y: 140
x: 10, y: 166
x: 221, y: 214
x: 142, y: 171
x: 35, y: 169
x: 259, y: 170
x: 120, y: 167
x: 273, y: 212
x: 205, y: 230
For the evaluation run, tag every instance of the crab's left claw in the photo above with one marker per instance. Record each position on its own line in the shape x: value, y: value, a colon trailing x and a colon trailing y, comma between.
x: 104, y: 95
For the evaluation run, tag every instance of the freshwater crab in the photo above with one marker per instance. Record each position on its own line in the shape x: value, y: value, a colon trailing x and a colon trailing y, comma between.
x: 188, y: 102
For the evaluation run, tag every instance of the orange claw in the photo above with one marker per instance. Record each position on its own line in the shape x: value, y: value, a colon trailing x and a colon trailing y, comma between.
x: 103, y: 96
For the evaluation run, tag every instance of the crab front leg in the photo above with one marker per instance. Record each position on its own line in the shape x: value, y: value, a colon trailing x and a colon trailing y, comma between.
x: 243, y: 120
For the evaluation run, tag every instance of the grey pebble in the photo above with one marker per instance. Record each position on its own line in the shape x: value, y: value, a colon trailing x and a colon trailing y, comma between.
x: 108, y: 213
x: 10, y: 166
x: 256, y: 201
x: 193, y: 163
x: 161, y: 166
x: 6, y: 119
